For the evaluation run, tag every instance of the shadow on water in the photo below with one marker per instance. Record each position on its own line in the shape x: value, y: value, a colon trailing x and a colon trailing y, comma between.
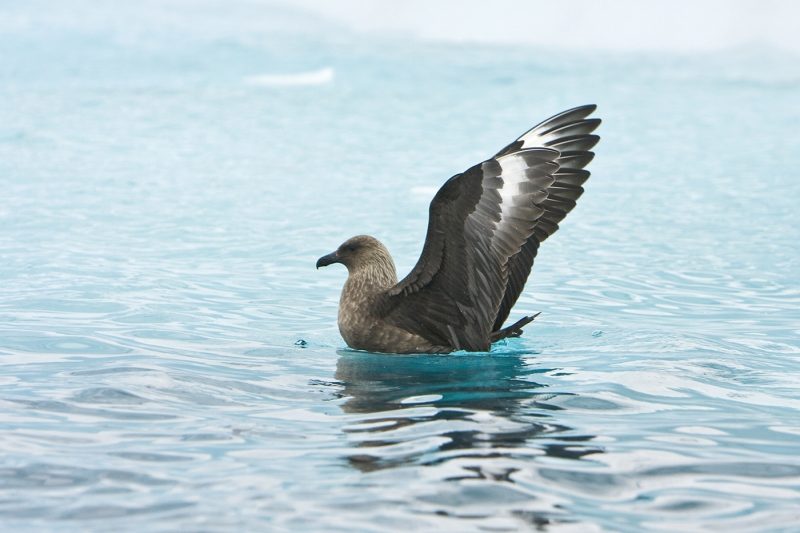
x: 428, y: 409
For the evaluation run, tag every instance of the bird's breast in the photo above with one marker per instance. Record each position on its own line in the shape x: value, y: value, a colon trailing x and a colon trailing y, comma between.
x: 363, y: 326
x: 362, y: 329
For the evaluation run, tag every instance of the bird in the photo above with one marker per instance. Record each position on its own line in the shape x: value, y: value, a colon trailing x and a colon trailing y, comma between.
x: 485, y: 227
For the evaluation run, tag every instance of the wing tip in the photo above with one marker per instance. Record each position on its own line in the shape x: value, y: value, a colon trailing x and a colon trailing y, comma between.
x: 574, y: 114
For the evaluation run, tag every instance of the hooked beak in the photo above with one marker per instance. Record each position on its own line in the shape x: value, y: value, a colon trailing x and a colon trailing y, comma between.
x: 326, y: 260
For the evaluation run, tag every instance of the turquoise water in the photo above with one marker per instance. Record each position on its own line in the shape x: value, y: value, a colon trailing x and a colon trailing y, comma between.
x: 170, y: 358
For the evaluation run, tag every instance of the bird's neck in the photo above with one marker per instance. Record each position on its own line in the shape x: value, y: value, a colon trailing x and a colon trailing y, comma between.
x: 370, y: 278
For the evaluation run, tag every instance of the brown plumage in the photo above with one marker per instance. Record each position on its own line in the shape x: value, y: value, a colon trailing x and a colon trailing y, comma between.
x: 485, y: 227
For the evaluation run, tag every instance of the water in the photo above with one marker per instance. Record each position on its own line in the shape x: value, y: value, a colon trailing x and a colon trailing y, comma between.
x: 170, y: 358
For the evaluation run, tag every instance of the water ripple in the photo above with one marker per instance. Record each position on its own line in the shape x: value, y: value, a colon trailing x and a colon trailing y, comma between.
x: 169, y: 357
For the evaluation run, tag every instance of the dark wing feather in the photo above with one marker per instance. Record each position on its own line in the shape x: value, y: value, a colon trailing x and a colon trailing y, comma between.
x: 478, y: 220
x: 570, y: 133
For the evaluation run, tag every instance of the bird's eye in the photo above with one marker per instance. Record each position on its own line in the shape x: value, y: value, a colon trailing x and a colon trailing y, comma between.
x: 350, y: 248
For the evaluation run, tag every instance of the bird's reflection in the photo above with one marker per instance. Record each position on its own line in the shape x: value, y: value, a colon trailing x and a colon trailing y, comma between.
x: 426, y: 409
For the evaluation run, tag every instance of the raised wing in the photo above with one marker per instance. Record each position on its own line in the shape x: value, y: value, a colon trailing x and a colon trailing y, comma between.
x: 570, y: 133
x: 478, y: 221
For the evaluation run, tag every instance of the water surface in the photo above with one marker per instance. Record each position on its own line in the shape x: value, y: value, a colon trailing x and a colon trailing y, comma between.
x: 170, y: 358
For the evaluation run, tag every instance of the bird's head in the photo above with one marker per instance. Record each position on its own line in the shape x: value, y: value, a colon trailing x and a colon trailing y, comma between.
x: 359, y: 251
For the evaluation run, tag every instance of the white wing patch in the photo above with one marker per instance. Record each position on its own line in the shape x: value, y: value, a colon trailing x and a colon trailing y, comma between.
x: 513, y: 177
x: 525, y: 177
